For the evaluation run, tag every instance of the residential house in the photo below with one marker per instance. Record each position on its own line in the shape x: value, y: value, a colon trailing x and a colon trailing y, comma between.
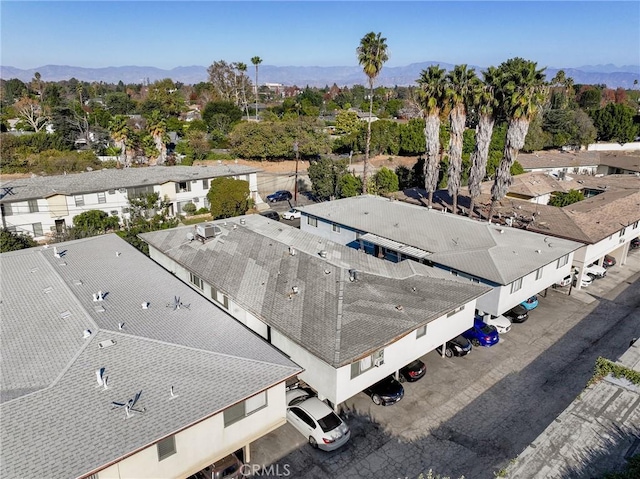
x: 347, y: 318
x: 516, y: 264
x: 41, y: 205
x: 621, y: 163
x: 604, y: 223
x: 113, y: 368
x: 561, y: 162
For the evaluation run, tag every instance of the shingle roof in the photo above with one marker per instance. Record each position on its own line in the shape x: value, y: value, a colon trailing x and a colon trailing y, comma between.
x: 336, y: 319
x: 108, y: 179
x: 558, y: 159
x: 495, y: 253
x: 628, y: 160
x: 51, y: 407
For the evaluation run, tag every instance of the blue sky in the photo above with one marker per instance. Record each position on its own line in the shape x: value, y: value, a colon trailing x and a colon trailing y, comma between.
x: 168, y: 34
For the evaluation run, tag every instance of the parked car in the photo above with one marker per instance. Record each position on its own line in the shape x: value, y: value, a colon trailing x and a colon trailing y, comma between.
x: 566, y: 281
x: 458, y: 346
x: 501, y: 323
x: 292, y: 214
x: 385, y: 392
x: 532, y: 302
x: 481, y: 334
x: 595, y: 271
x: 281, y: 195
x: 229, y: 467
x: 586, y: 281
x: 271, y: 214
x: 635, y: 243
x: 517, y: 314
x: 322, y: 427
x: 608, y: 261
x: 412, y: 371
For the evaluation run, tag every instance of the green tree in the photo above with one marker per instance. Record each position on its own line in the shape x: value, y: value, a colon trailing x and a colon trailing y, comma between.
x: 372, y: 54
x: 121, y: 134
x: 256, y: 61
x: 349, y: 185
x: 157, y: 128
x: 11, y: 241
x: 119, y: 103
x: 347, y: 122
x: 431, y: 95
x: 325, y: 175
x: 228, y: 197
x: 521, y: 92
x: 91, y: 223
x: 221, y: 116
x: 167, y: 95
x: 386, y: 181
x: 190, y: 208
x: 615, y: 122
x: 459, y: 88
x: 412, y: 140
x: 564, y: 199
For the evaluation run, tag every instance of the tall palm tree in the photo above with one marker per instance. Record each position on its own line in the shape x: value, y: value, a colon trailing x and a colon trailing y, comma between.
x: 485, y: 104
x: 522, y: 91
x: 242, y: 68
x: 459, y: 85
x: 432, y: 95
x: 120, y: 133
x: 256, y: 61
x: 157, y: 127
x: 372, y: 54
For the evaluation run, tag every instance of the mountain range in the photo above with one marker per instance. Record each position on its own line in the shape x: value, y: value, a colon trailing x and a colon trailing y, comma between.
x: 609, y: 75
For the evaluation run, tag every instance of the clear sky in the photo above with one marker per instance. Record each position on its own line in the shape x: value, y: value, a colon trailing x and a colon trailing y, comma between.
x: 167, y: 34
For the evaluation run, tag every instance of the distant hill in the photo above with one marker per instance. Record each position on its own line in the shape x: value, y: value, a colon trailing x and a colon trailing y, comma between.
x: 609, y: 75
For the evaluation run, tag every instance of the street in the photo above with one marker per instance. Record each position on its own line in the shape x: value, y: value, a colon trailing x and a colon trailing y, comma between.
x: 470, y: 416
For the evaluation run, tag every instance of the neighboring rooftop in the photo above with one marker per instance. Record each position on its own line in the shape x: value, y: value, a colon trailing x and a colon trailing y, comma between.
x: 335, y: 318
x: 593, y: 436
x: 52, y: 405
x: 628, y: 160
x: 488, y: 251
x: 558, y: 159
x: 112, y: 178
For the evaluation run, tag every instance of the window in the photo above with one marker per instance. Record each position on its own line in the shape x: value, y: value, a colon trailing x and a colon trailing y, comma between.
x: 183, y: 186
x: 455, y: 311
x: 622, y: 232
x: 516, y: 285
x: 245, y: 408
x: 304, y: 417
x: 538, y: 274
x: 195, y: 280
x: 166, y: 448
x: 366, y: 363
x: 33, y: 206
x: 102, y: 198
x: 220, y: 298
x: 37, y: 229
x: 562, y: 261
x: 79, y: 199
x: 6, y: 209
x: 205, y: 184
x: 335, y: 227
x: 635, y: 225
x: 312, y: 221
x: 139, y: 191
x: 112, y: 192
x: 114, y: 212
x: 421, y: 331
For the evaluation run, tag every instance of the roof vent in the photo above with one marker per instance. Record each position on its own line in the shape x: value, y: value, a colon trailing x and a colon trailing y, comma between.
x: 399, y: 307
x: 118, y: 253
x: 292, y: 251
x: 354, y: 275
x: 172, y: 394
x: 501, y: 231
x: 86, y: 333
x: 99, y: 296
x: 47, y: 290
x: 295, y: 290
x: 55, y: 252
x: 323, y: 254
x: 538, y: 251
x: 145, y: 305
x: 327, y: 271
x: 120, y: 326
x: 106, y: 344
x: 65, y: 314
x: 242, y: 221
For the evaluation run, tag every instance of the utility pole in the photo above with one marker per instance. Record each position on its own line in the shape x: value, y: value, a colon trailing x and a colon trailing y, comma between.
x: 295, y: 188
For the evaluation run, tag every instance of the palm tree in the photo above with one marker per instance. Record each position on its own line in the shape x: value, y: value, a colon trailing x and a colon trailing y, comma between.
x: 120, y: 133
x: 256, y: 61
x: 484, y: 102
x: 242, y: 68
x: 372, y: 53
x: 157, y: 127
x: 521, y: 93
x: 432, y: 94
x: 459, y: 84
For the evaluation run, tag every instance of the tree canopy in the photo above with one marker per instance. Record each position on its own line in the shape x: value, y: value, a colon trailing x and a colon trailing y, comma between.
x: 228, y: 197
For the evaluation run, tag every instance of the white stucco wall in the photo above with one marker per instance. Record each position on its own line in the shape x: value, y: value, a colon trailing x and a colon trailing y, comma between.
x: 632, y: 146
x: 203, y: 443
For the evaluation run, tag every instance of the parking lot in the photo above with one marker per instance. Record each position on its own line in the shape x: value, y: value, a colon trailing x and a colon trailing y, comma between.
x: 470, y: 416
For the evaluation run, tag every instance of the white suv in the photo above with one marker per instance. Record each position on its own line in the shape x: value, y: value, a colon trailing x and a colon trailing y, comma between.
x: 595, y: 271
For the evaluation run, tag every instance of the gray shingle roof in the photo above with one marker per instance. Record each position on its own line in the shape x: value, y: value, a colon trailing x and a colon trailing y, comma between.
x: 51, y: 406
x: 496, y: 253
x: 109, y: 179
x: 336, y: 319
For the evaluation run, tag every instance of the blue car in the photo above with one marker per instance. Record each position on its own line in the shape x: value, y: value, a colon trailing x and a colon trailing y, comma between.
x: 482, y: 334
x: 281, y: 195
x: 531, y: 303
